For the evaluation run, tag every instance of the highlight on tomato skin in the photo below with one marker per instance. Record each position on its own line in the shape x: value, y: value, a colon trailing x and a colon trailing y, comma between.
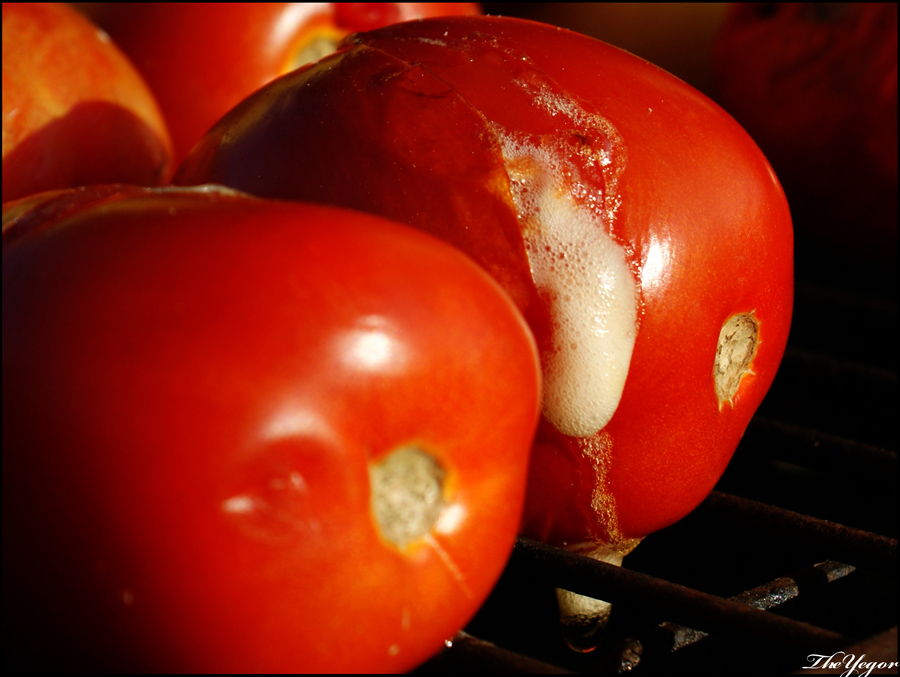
x: 555, y: 160
x: 75, y: 110
x: 201, y: 59
x: 239, y: 435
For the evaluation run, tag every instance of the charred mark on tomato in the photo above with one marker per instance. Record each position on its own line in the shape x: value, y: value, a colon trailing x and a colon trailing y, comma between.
x: 407, y: 494
x: 735, y: 352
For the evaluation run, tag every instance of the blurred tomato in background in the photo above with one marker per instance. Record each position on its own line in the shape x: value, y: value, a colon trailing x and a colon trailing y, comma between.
x: 815, y: 84
x: 676, y: 36
x: 75, y: 111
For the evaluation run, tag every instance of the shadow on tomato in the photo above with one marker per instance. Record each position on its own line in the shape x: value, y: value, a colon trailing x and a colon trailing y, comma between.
x: 95, y: 142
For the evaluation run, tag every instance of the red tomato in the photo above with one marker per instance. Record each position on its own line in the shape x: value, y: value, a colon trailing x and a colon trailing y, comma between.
x: 251, y: 436
x: 815, y: 84
x: 639, y: 229
x: 75, y: 111
x: 199, y: 74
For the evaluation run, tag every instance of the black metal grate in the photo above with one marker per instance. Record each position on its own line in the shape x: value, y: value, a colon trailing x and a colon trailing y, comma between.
x: 794, y: 554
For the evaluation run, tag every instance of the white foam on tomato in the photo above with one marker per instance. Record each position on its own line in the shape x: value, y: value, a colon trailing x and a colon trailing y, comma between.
x: 577, y: 265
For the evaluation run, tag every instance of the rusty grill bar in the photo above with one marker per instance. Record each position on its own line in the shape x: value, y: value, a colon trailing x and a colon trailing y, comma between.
x: 793, y: 556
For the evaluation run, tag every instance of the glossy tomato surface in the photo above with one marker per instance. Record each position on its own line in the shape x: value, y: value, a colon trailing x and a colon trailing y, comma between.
x: 75, y: 111
x: 201, y: 59
x: 251, y: 436
x: 815, y: 84
x: 639, y: 229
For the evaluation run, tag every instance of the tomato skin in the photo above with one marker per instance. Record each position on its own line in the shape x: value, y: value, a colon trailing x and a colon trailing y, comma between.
x: 816, y: 86
x: 75, y: 111
x: 194, y: 388
x: 404, y: 123
x: 198, y: 75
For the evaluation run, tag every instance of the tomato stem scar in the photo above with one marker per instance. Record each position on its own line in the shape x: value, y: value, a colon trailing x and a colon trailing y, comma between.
x: 407, y: 494
x: 319, y: 45
x: 735, y: 352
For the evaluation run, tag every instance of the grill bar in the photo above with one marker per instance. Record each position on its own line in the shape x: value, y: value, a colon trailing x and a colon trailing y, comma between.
x: 860, y: 547
x: 465, y: 652
x: 812, y: 447
x: 768, y: 596
x: 660, y: 599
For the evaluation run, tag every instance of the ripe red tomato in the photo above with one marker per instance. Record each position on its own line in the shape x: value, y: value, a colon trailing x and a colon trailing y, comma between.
x: 815, y: 84
x: 75, y: 111
x: 198, y: 75
x: 242, y: 435
x: 638, y: 227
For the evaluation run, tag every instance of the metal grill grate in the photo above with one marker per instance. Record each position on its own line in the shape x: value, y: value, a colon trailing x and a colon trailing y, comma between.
x: 794, y: 554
